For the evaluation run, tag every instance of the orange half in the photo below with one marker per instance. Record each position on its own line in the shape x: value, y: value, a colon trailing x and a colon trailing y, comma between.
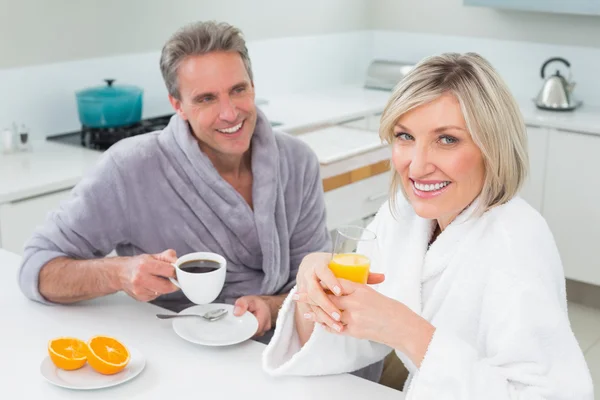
x: 67, y: 353
x: 107, y: 355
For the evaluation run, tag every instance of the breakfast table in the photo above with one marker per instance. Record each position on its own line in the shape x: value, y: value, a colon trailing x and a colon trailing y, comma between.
x: 173, y: 368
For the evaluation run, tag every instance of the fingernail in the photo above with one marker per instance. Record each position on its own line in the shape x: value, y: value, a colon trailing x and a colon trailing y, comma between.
x: 337, y: 328
x: 236, y: 310
x: 295, y: 296
x: 337, y: 290
x: 336, y: 316
x: 307, y: 315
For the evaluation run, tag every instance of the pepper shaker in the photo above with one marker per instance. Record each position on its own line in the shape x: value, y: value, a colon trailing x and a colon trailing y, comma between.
x: 24, y: 138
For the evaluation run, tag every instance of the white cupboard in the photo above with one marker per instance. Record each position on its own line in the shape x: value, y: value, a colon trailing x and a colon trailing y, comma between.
x: 572, y: 201
x: 18, y: 219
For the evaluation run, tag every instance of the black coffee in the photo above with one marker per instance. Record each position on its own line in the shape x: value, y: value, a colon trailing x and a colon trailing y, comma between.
x: 199, y: 266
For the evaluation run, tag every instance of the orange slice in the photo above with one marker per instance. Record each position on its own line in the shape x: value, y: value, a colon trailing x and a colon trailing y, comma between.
x: 67, y: 353
x: 107, y: 355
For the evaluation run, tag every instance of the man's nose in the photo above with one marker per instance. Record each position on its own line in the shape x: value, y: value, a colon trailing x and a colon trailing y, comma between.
x: 228, y: 111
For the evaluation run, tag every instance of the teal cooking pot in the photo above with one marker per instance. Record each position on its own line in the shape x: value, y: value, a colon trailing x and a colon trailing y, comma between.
x: 109, y: 105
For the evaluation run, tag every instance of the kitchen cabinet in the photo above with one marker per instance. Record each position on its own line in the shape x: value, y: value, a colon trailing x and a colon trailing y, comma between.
x: 581, y: 7
x: 571, y: 201
x: 533, y: 187
x: 18, y: 219
x: 356, y: 201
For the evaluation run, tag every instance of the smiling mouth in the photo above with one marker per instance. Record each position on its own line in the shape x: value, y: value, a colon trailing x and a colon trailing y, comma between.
x: 233, y: 129
x: 430, y: 187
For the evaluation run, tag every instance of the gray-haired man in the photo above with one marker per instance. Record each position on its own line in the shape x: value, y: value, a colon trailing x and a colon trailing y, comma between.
x: 216, y: 179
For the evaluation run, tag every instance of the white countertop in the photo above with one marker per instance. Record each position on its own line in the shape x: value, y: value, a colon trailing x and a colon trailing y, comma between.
x: 175, y: 368
x: 50, y: 166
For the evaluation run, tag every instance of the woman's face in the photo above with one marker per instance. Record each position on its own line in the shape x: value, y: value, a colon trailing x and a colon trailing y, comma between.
x: 441, y: 168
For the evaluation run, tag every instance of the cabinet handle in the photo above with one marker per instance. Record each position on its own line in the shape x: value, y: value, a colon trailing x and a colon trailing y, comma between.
x: 377, y: 196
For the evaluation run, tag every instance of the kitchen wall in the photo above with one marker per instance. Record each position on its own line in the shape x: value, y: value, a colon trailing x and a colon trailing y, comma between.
x: 52, y: 49
x: 42, y: 31
x: 516, y: 43
x: 451, y: 17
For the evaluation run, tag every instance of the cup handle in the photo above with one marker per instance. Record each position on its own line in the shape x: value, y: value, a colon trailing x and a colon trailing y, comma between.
x: 174, y: 281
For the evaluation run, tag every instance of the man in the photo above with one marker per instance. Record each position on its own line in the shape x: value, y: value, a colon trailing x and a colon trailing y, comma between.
x: 216, y: 179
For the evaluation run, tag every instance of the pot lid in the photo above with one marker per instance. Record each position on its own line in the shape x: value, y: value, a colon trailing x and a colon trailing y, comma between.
x: 110, y: 91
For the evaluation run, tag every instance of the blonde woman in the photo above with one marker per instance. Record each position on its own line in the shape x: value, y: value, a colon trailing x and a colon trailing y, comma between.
x: 470, y: 287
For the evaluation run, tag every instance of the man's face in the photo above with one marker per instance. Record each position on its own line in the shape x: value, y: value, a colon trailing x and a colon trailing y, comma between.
x: 217, y: 99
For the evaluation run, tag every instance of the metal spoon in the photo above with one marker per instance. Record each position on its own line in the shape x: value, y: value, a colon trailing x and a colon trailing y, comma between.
x: 211, y: 316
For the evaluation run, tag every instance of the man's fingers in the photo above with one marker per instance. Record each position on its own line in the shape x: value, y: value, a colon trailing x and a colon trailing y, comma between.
x: 169, y: 256
x: 159, y: 268
x: 374, y: 278
x: 159, y: 285
x: 241, y: 306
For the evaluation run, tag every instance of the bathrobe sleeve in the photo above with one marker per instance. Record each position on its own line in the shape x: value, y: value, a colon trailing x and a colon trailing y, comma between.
x: 87, y: 225
x: 325, y: 353
x: 310, y: 233
x: 530, y: 352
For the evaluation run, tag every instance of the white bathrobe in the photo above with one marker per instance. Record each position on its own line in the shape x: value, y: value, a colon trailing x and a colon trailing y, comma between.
x: 493, y: 287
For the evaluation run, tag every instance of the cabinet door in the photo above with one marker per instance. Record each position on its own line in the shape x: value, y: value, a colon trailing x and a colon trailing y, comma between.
x: 18, y: 219
x: 533, y: 188
x: 572, y: 202
x: 356, y: 201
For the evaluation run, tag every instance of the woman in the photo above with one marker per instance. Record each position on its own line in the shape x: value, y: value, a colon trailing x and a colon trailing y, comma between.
x: 471, y: 291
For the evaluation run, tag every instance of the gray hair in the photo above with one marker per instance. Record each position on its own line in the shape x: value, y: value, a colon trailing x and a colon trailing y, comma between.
x: 196, y: 39
x: 491, y: 113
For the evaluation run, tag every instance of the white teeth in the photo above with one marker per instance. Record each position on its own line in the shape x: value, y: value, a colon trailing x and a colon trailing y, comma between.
x: 432, y: 187
x: 232, y: 129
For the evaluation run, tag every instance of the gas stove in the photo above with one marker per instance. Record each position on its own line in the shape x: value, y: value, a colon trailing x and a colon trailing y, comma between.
x: 102, y: 138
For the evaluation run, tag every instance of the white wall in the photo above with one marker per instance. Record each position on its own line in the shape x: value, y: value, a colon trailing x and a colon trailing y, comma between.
x: 48, y: 31
x: 451, y: 17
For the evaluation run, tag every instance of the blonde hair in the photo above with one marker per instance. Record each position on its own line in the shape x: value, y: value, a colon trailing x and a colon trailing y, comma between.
x: 491, y: 113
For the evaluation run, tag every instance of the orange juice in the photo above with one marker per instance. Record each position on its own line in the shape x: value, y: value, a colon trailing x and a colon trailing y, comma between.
x: 351, y: 266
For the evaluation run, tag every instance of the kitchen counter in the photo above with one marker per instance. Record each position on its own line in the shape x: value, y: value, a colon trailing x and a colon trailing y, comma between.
x: 174, y: 368
x: 47, y: 168
x: 52, y: 167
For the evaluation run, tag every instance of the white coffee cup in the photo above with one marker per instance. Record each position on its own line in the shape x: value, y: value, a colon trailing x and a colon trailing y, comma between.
x: 200, y: 288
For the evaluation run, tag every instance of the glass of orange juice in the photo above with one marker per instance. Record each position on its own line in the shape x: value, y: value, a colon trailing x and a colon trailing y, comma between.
x: 345, y: 262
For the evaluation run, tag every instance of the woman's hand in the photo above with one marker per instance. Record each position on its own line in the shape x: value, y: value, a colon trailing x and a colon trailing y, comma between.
x: 314, y: 277
x: 368, y: 314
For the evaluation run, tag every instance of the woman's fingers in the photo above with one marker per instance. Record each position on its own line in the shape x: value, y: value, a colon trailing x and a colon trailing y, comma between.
x: 318, y: 315
x: 326, y: 277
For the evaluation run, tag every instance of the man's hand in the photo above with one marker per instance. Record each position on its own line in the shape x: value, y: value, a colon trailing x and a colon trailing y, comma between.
x: 259, y: 307
x: 144, y: 277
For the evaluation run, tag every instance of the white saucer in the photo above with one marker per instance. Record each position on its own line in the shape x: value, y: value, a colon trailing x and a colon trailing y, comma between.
x: 86, y: 378
x: 224, y: 332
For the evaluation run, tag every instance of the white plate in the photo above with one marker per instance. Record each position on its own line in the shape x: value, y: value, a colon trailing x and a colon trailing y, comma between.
x: 224, y: 332
x: 86, y: 378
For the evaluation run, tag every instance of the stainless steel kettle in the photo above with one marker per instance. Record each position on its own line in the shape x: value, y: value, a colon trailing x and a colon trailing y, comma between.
x: 557, y: 92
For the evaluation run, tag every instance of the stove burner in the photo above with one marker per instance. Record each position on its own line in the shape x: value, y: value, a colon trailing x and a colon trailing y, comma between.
x: 103, y: 138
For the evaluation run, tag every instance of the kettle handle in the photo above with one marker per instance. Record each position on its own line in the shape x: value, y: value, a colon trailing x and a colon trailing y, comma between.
x: 552, y: 60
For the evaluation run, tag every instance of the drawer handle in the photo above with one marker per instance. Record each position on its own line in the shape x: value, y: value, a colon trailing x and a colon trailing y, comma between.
x: 377, y: 196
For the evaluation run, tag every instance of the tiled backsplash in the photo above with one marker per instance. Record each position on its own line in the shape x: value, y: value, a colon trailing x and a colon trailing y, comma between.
x: 43, y: 97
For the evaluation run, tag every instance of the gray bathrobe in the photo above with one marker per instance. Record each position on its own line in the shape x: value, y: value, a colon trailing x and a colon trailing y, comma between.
x: 158, y: 191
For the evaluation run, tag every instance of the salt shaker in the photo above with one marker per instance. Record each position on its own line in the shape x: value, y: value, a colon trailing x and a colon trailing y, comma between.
x: 8, y: 145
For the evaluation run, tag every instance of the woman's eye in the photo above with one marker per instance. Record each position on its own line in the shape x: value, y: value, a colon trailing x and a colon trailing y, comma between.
x: 448, y: 140
x: 403, y: 136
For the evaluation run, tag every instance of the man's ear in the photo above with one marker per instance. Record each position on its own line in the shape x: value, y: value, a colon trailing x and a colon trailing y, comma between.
x: 177, y: 107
